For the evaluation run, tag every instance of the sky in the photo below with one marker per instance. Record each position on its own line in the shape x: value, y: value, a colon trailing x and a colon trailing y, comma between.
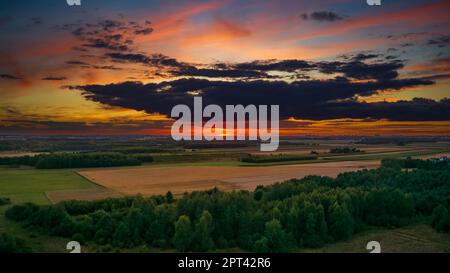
x: 335, y: 67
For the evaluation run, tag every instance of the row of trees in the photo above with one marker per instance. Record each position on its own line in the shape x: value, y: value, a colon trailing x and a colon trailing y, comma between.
x: 11, y: 244
x: 309, y: 212
x: 274, y: 158
x: 441, y: 219
x: 76, y: 160
x: 6, y: 147
x: 345, y: 150
x: 4, y: 201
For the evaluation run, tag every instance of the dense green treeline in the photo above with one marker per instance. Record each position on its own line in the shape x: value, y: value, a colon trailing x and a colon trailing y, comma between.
x: 345, y: 150
x: 274, y: 158
x: 123, y: 144
x: 6, y: 147
x: 76, y: 160
x: 217, y: 145
x: 142, y: 150
x: 307, y: 212
x: 11, y: 244
x: 4, y: 201
x: 19, y: 160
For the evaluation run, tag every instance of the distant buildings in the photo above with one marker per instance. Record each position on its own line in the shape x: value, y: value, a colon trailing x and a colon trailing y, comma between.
x: 440, y: 159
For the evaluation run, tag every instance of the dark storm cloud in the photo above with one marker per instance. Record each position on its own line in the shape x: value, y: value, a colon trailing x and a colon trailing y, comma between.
x: 8, y: 77
x: 106, y: 67
x: 407, y: 45
x: 218, y: 73
x: 109, y: 34
x: 353, y: 66
x: 254, y: 82
x: 381, y: 71
x: 92, y: 66
x: 76, y: 63
x: 176, y: 68
x: 437, y: 77
x: 106, y: 44
x: 312, y: 99
x: 405, y: 36
x: 255, y: 69
x: 442, y: 41
x: 322, y: 16
x: 275, y: 65
x: 54, y: 79
x: 418, y: 109
x: 156, y: 60
x: 363, y: 57
x: 296, y: 92
x: 144, y: 31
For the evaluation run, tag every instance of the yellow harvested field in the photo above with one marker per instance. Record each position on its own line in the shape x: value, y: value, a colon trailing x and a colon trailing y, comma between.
x: 180, y: 179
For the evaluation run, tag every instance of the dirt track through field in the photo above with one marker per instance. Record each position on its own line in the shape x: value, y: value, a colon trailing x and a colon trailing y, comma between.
x: 180, y: 179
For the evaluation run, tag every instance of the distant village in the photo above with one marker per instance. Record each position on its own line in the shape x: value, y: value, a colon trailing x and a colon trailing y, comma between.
x: 440, y: 159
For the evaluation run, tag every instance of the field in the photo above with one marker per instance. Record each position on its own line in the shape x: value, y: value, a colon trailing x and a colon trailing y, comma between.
x: 201, y: 169
x: 179, y: 179
x: 411, y: 239
x: 232, y: 175
x: 30, y: 185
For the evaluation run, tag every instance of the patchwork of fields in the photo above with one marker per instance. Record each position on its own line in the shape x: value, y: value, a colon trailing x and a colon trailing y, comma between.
x: 30, y: 185
x: 179, y: 179
x: 210, y: 170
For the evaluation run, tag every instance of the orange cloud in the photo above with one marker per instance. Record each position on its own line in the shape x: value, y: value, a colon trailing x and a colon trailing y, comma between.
x: 219, y: 31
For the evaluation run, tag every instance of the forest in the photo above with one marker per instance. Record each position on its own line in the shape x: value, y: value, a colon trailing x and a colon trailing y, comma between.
x: 299, y: 213
x: 76, y: 160
x: 345, y: 150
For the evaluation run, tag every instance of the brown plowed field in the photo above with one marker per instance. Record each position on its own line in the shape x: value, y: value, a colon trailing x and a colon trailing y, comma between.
x: 180, y: 179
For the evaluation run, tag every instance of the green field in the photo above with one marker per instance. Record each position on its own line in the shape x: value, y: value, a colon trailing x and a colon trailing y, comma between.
x: 29, y: 185
x: 411, y: 239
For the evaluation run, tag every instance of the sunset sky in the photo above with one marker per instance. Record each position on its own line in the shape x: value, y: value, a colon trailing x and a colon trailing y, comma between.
x: 335, y: 67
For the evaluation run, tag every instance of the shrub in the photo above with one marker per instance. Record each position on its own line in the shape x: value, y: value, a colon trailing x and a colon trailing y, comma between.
x: 11, y: 244
x: 4, y: 201
x: 21, y: 212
